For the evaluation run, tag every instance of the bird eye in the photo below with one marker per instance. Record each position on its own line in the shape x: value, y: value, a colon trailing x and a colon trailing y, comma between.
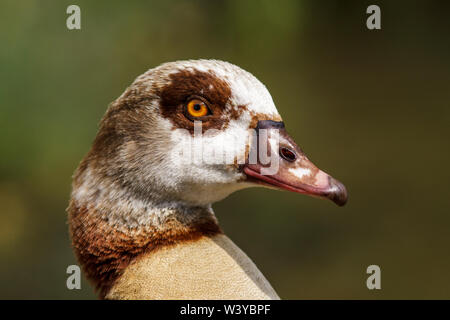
x: 197, y: 108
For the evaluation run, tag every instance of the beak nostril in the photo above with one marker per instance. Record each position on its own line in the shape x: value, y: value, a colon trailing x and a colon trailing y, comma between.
x: 287, y: 154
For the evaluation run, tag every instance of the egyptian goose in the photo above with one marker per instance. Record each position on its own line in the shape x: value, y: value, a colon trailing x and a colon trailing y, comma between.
x: 140, y: 214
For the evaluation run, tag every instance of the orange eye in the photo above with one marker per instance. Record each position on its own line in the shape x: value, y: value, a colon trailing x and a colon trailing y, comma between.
x: 197, y: 108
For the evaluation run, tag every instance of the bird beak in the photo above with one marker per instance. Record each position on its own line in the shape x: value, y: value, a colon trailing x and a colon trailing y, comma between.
x: 276, y: 161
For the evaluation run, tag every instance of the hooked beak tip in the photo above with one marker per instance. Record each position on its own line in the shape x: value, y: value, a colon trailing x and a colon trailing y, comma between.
x: 338, y: 192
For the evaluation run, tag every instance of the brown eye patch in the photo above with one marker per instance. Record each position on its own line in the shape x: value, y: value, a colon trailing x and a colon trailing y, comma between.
x: 193, y: 83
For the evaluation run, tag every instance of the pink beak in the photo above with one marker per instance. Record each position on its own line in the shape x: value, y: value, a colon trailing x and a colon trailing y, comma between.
x: 288, y: 167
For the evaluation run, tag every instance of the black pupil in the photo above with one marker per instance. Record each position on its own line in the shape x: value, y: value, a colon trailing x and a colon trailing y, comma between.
x: 287, y: 154
x: 197, y: 107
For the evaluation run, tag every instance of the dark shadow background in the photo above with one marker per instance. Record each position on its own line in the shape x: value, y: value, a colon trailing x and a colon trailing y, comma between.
x: 370, y: 107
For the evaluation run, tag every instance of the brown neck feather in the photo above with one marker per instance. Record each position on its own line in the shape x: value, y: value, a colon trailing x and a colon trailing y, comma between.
x: 105, y: 250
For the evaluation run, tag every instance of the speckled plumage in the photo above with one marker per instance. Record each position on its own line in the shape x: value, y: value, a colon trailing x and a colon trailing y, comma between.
x: 138, y: 204
x: 129, y: 186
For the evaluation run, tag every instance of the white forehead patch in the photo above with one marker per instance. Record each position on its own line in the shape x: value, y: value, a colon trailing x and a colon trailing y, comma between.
x: 249, y: 91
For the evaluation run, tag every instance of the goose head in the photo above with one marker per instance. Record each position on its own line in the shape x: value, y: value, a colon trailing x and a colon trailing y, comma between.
x: 184, y: 135
x: 192, y: 132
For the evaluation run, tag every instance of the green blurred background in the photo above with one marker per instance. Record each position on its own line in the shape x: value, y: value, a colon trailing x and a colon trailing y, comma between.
x: 370, y: 107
